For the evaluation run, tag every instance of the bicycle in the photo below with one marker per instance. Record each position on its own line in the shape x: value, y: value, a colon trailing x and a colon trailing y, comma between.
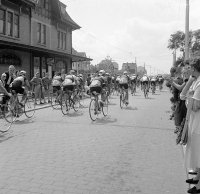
x: 6, y: 118
x: 18, y: 109
x: 95, y: 108
x: 55, y: 101
x: 146, y: 90
x: 68, y: 102
x: 123, y: 102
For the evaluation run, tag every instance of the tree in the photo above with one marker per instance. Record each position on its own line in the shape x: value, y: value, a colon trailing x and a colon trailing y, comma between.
x: 195, y: 44
x: 177, y: 41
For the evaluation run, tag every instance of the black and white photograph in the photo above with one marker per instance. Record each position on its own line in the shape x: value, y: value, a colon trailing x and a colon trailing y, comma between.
x: 99, y: 96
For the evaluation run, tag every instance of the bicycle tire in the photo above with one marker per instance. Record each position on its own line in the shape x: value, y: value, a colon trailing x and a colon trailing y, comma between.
x: 76, y: 102
x: 8, y: 113
x: 29, y: 107
x: 92, y: 110
x: 121, y: 100
x: 105, y: 108
x: 64, y: 104
x: 54, y: 104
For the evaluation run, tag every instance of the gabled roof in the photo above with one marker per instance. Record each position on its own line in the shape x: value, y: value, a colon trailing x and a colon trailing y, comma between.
x: 66, y: 18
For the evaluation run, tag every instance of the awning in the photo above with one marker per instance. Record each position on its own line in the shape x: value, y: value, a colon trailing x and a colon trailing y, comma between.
x: 41, y: 51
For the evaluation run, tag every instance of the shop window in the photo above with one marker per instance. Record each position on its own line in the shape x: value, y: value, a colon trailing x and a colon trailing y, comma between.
x: 2, y: 21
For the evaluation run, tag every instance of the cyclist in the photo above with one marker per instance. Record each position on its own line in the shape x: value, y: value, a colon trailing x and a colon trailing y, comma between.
x: 56, y: 83
x: 133, y: 81
x: 109, y: 82
x: 160, y: 82
x: 18, y: 85
x: 145, y: 82
x: 70, y: 81
x: 97, y: 84
x: 3, y: 90
x: 123, y: 83
x: 153, y: 84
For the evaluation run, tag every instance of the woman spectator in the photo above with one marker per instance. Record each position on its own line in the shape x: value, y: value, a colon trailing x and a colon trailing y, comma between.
x: 37, y: 87
x: 191, y: 92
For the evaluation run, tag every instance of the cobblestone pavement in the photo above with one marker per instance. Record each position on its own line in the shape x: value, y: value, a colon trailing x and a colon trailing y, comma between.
x: 131, y: 151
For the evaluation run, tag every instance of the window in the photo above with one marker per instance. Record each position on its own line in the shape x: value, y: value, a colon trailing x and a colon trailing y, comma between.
x: 64, y: 41
x: 10, y: 24
x: 44, y: 4
x: 16, y: 26
x: 58, y: 39
x: 43, y: 34
x: 39, y: 33
x: 2, y: 21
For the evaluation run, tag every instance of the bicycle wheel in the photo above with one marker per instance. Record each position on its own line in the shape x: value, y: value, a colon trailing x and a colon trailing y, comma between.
x: 105, y: 108
x: 29, y: 107
x: 54, y: 102
x: 64, y: 104
x: 8, y: 114
x: 93, y: 110
x: 76, y: 102
x: 121, y: 100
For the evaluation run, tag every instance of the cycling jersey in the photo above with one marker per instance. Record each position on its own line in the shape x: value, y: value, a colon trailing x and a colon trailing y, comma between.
x: 69, y: 80
x: 124, y: 79
x: 97, y: 81
x: 57, y: 80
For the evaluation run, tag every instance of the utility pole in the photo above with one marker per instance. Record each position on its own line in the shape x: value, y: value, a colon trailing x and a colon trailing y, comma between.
x: 187, y: 31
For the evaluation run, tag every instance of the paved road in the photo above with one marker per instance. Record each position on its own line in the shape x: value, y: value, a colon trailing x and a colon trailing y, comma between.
x: 131, y: 151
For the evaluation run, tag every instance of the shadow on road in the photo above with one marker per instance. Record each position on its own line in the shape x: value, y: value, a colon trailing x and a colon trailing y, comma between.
x: 105, y: 120
x: 24, y: 121
x: 75, y: 114
x: 111, y: 103
x: 3, y: 138
x: 130, y: 108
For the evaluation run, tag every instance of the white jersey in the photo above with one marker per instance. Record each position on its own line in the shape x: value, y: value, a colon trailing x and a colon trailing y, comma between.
x: 144, y: 78
x: 69, y: 80
x: 57, y: 80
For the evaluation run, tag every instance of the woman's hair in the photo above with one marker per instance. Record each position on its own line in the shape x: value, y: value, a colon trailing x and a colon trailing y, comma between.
x: 196, y: 64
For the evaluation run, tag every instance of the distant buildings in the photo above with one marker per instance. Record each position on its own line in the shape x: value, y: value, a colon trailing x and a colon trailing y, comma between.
x: 108, y: 65
x: 130, y: 67
x: 81, y: 66
x: 141, y: 70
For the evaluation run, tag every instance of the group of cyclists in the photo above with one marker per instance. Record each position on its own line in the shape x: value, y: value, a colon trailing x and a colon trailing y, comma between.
x: 101, y: 82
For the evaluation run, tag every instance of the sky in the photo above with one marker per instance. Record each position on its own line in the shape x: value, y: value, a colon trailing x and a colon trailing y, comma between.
x: 130, y: 30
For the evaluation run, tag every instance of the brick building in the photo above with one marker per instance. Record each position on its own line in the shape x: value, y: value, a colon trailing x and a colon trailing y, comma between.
x: 36, y: 36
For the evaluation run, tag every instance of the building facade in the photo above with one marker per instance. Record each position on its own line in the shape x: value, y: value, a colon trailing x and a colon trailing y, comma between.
x: 36, y: 36
x: 130, y: 67
x: 82, y: 67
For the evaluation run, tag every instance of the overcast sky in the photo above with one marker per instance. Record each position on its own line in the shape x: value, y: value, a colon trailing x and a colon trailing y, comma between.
x: 129, y: 29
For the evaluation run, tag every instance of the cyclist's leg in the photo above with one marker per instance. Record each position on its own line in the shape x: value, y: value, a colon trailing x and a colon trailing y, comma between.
x: 126, y: 92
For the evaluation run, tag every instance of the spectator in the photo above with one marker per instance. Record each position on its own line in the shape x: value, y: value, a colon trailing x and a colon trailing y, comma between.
x: 191, y: 92
x: 46, y: 85
x: 37, y: 87
x: 10, y: 76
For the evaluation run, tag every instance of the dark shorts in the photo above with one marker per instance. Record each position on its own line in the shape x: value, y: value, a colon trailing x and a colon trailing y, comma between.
x: 145, y: 82
x: 133, y: 81
x: 18, y: 90
x: 124, y: 85
x: 68, y: 88
x: 97, y: 89
x: 153, y: 83
x: 56, y: 88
